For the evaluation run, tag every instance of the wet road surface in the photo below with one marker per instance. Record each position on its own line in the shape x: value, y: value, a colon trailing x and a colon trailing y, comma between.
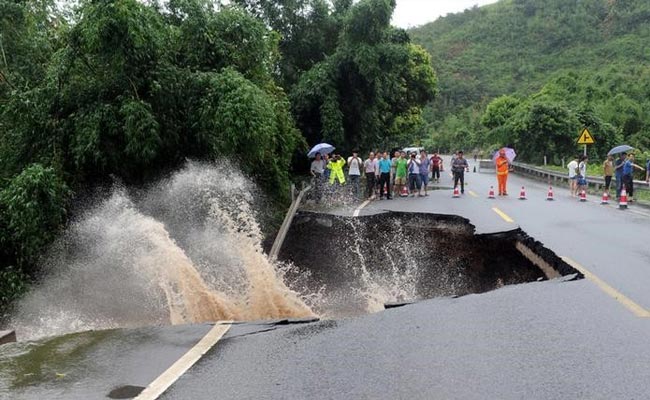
x: 545, y: 340
x: 548, y: 340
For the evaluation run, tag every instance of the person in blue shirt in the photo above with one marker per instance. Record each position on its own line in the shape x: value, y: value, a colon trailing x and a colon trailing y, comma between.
x: 618, y: 172
x: 628, y: 176
x: 384, y: 176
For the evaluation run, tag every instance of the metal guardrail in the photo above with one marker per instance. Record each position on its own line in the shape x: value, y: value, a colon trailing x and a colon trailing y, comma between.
x: 596, y: 182
x: 284, y: 228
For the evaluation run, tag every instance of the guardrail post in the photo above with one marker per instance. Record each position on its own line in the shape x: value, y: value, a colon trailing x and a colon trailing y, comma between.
x: 282, y: 233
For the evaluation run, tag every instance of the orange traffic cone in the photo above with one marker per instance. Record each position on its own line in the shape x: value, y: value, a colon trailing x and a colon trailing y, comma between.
x: 605, y: 199
x: 522, y: 194
x: 622, y: 204
x: 456, y: 192
x: 549, y: 196
x: 491, y: 193
x: 583, y: 195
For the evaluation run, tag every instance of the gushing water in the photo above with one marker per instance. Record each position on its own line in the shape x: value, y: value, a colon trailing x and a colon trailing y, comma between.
x: 186, y: 250
x: 394, y: 283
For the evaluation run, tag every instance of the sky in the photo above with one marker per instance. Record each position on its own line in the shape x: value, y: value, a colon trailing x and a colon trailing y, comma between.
x: 409, y: 13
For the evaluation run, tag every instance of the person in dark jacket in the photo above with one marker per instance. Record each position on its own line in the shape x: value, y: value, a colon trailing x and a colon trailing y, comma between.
x: 458, y: 167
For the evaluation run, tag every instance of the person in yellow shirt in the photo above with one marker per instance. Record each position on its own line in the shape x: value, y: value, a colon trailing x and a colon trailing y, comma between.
x: 336, y: 167
x: 502, y: 166
x: 608, y: 172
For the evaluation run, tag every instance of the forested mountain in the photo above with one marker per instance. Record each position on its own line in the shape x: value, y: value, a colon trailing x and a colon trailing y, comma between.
x: 565, y: 64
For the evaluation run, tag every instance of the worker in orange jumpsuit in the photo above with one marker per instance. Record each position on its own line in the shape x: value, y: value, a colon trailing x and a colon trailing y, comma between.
x: 502, y: 166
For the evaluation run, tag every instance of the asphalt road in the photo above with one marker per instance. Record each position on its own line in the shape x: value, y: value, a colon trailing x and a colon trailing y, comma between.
x: 609, y: 242
x: 546, y: 340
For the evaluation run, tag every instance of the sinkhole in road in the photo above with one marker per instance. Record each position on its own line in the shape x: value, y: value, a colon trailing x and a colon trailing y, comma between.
x: 358, y: 265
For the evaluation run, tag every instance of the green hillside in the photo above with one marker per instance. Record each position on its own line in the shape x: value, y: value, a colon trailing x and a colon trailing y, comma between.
x: 591, y: 58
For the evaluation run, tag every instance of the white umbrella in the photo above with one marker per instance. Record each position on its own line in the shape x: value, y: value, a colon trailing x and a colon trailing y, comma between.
x: 322, y: 148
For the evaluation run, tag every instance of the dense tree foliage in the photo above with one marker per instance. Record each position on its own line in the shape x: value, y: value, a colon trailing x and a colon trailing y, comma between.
x: 129, y: 90
x: 370, y: 91
x: 586, y: 60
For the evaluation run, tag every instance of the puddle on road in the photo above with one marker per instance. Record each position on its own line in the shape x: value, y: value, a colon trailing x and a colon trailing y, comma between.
x: 358, y: 265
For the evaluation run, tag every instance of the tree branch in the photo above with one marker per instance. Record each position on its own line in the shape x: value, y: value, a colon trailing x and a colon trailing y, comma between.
x: 4, y: 78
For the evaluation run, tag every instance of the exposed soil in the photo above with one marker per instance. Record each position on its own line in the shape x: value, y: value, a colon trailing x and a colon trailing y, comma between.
x: 421, y: 255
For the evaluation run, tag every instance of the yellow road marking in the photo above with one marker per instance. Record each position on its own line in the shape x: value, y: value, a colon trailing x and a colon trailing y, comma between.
x: 618, y: 296
x: 473, y: 194
x: 503, y: 215
x: 171, y: 375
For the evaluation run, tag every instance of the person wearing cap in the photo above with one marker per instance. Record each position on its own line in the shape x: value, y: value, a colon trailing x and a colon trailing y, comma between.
x: 503, y: 167
x: 458, y: 167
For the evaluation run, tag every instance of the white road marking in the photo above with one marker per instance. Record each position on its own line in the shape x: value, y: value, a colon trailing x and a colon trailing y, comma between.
x: 358, y: 210
x: 171, y: 375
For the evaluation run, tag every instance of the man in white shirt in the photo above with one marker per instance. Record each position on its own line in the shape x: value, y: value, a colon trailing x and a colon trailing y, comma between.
x: 573, y: 176
x: 369, y: 168
x: 354, y: 172
x: 317, y: 170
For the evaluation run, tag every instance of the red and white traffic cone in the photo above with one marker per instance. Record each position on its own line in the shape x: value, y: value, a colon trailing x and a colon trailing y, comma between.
x: 549, y: 196
x: 522, y: 194
x: 583, y: 195
x: 622, y: 203
x: 491, y: 193
x: 456, y: 192
x: 605, y: 199
x: 404, y: 192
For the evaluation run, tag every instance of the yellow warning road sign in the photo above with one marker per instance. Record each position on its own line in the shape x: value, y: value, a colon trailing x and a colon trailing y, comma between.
x: 585, y: 137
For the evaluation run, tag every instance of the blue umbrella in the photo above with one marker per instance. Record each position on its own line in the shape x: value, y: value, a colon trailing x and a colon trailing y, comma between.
x: 620, y: 149
x: 322, y: 148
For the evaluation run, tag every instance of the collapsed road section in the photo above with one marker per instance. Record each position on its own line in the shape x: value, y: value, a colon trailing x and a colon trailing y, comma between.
x: 359, y: 265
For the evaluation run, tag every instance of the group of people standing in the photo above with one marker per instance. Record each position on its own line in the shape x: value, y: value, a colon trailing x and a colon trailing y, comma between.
x: 385, y: 177
x: 621, y: 168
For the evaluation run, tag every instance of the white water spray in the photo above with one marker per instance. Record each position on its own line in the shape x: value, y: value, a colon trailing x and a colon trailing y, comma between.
x: 187, y: 250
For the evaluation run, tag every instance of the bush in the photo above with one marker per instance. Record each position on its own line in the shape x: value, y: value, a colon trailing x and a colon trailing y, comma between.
x: 33, y: 208
x: 13, y: 283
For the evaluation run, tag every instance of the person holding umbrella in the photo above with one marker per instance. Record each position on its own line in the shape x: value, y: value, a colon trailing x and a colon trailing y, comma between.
x: 628, y: 178
x: 618, y: 165
x: 503, y: 167
x: 319, y: 167
x: 317, y: 170
x: 618, y: 172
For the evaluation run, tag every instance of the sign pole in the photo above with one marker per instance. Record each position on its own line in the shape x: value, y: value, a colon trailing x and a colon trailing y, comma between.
x: 585, y: 138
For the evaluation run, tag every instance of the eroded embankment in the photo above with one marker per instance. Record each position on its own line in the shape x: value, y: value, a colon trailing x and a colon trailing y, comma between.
x: 359, y: 264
